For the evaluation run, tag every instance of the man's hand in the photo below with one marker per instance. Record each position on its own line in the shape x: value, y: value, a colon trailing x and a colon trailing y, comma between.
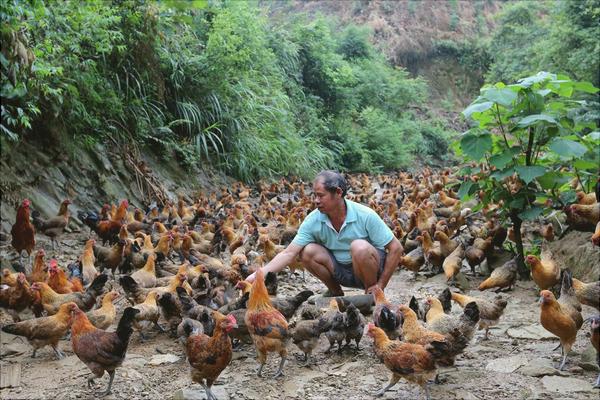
x: 370, y: 289
x: 250, y: 278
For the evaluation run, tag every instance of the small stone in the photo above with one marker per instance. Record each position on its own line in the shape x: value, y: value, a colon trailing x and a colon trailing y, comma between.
x: 506, y: 365
x: 461, y: 282
x: 559, y: 384
x: 465, y: 395
x: 163, y: 359
x: 575, y: 370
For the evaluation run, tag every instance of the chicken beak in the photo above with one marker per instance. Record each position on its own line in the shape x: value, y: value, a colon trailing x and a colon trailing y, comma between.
x: 541, y: 300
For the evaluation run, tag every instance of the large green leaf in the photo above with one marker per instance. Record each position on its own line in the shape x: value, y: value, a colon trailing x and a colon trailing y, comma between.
x: 531, y: 213
x: 585, y: 87
x: 529, y: 173
x: 502, y: 174
x: 504, y: 97
x: 551, y: 179
x: 476, y: 145
x: 477, y: 107
x: 502, y: 159
x: 585, y: 164
x: 465, y: 189
x: 567, y: 148
x: 533, y: 119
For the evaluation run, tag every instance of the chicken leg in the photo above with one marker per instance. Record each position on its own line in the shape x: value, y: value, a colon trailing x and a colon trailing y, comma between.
x: 280, y: 370
x: 564, y: 360
x: 111, y: 374
x: 209, y: 393
x: 393, y: 380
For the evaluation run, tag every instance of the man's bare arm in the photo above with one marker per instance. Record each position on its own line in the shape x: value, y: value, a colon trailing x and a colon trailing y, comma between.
x: 286, y: 257
x: 392, y: 259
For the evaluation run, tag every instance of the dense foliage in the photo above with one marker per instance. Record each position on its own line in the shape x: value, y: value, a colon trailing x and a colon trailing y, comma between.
x: 211, y: 82
x: 560, y: 36
x: 530, y: 140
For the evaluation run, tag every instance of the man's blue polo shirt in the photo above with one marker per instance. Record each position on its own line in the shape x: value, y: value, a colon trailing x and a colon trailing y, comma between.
x: 361, y: 223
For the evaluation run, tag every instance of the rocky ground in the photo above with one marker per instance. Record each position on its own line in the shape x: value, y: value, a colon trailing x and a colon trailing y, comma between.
x: 516, y: 363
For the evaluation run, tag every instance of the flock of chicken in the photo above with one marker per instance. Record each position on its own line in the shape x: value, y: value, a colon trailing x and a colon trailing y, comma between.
x: 184, y: 265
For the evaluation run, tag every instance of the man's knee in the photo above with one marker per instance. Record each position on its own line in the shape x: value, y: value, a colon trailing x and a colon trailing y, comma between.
x: 360, y: 248
x: 310, y: 252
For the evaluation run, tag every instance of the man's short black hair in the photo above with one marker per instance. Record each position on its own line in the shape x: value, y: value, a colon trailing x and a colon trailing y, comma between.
x: 332, y: 180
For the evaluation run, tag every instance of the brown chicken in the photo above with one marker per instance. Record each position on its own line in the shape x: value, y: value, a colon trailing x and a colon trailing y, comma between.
x: 586, y: 198
x: 53, y: 227
x: 413, y: 260
x: 57, y: 280
x: 588, y: 293
x: 596, y: 342
x: 447, y: 245
x: 88, y: 269
x: 545, y: 272
x: 39, y: 272
x: 444, y: 323
x: 44, y: 331
x: 455, y: 341
x: 51, y: 301
x: 561, y: 318
x: 432, y: 250
x: 267, y: 326
x: 148, y: 311
x: 386, y: 315
x: 453, y: 262
x: 109, y: 257
x: 305, y: 335
x: 209, y: 356
x: 15, y: 299
x: 596, y: 235
x: 99, y: 350
x: 489, y: 311
x: 502, y: 277
x: 413, y: 362
x: 146, y: 277
x: 103, y: 317
x: 136, y: 294
x: 583, y: 217
x: 333, y: 326
x: 547, y: 232
x: 23, y: 231
x: 477, y: 253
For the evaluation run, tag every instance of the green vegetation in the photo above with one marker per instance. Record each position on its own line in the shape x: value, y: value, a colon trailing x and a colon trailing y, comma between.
x: 213, y: 82
x: 560, y: 36
x: 529, y: 140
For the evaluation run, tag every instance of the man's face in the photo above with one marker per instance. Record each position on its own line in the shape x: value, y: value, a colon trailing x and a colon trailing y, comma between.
x: 325, y: 200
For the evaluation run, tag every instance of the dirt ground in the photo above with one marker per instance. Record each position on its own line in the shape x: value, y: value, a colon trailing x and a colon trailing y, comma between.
x: 500, y: 368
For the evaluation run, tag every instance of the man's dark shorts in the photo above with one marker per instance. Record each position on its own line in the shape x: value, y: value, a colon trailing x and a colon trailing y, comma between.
x: 344, y: 273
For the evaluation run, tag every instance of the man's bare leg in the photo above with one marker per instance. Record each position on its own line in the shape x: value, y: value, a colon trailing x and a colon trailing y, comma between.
x: 317, y: 261
x: 365, y: 262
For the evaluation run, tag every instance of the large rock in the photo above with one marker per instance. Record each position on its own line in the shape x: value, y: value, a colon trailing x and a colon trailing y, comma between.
x: 536, y: 332
x: 588, y: 359
x: 559, y: 384
x: 577, y: 253
x: 539, y: 367
x: 506, y: 365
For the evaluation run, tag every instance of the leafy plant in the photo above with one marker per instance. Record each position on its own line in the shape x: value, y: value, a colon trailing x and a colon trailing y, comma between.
x: 528, y: 141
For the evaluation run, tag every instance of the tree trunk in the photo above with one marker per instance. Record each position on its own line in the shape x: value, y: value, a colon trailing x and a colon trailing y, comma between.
x: 521, y: 267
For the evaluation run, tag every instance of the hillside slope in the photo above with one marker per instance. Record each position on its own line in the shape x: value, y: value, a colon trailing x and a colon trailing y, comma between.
x: 430, y: 38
